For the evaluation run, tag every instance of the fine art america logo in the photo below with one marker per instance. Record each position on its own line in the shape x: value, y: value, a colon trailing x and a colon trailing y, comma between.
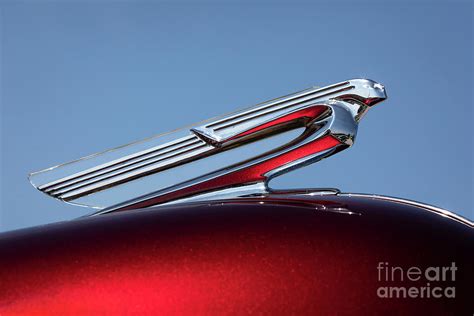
x: 416, y: 282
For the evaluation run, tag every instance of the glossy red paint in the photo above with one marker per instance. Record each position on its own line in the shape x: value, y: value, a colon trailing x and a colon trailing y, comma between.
x: 254, y: 173
x: 303, y: 115
x: 272, y: 256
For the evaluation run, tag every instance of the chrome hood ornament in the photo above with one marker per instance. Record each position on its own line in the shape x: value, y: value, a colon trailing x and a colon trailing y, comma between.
x: 235, y: 155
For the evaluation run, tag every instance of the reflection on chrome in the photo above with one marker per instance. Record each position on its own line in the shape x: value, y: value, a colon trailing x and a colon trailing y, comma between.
x: 235, y: 155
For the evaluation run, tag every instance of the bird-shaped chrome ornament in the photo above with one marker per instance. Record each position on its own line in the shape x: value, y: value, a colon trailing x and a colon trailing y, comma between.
x: 232, y: 156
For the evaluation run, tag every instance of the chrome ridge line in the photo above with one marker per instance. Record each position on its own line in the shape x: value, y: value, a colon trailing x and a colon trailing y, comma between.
x: 428, y: 207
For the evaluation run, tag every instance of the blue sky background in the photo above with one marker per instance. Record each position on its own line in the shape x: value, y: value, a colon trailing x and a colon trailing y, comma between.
x: 78, y: 78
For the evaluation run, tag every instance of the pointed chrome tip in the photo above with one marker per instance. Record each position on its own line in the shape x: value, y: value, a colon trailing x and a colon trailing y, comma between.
x: 374, y: 92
